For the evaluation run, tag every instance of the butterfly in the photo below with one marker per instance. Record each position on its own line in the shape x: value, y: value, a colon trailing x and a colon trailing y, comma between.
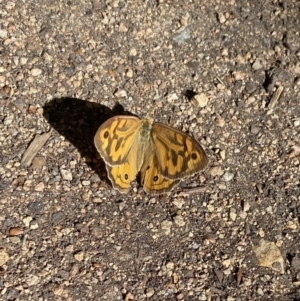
x: 162, y: 154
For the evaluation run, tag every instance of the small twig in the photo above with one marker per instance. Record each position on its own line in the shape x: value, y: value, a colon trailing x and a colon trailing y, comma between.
x: 189, y: 191
x: 275, y: 97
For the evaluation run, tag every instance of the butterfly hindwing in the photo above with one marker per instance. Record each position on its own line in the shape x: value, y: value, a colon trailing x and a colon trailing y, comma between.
x: 152, y: 180
x: 122, y: 175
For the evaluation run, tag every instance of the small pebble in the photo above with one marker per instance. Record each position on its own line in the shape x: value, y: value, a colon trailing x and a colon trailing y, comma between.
x: 228, y: 176
x: 296, y: 122
x: 166, y: 226
x: 246, y: 206
x: 170, y: 265
x: 39, y: 187
x: 216, y: 171
x: 179, y: 220
x: 232, y: 214
x: 257, y: 64
x: 34, y: 225
x: 66, y: 174
x: 120, y: 93
x: 179, y: 202
x: 3, y: 34
x: 79, y: 256
x: 201, y: 99
x: 132, y: 52
x: 182, y: 36
x: 32, y: 280
x: 27, y: 221
x: 36, y: 72
x: 221, y: 18
x: 58, y: 217
x: 149, y: 292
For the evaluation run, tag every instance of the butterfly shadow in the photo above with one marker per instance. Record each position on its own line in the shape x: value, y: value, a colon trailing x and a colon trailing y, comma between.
x: 78, y: 120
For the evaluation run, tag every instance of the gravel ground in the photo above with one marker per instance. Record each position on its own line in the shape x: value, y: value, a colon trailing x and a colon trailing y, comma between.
x: 227, y: 72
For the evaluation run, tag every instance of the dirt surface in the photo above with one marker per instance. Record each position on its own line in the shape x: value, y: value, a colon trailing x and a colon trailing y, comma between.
x: 67, y: 66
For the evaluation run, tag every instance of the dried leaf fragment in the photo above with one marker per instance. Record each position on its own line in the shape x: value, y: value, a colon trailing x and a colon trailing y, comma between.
x: 4, y: 257
x: 16, y: 231
x: 34, y: 147
x: 269, y: 256
x: 239, y: 277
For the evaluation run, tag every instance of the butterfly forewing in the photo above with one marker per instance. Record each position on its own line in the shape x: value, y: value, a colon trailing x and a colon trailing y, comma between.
x: 115, y: 138
x: 178, y: 154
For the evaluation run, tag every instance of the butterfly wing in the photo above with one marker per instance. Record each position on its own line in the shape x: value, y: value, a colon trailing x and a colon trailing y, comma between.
x: 152, y: 180
x: 117, y: 142
x: 122, y: 175
x: 178, y: 154
x: 115, y: 138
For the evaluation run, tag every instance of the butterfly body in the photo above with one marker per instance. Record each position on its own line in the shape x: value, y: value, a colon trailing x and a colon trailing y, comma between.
x: 162, y: 154
x: 143, y: 140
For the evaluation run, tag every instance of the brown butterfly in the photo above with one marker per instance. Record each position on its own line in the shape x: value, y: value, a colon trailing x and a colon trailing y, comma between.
x: 161, y: 153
